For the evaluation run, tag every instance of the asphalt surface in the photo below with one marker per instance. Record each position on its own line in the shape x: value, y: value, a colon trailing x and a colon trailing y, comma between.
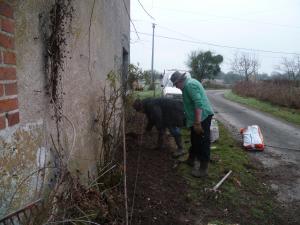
x: 281, y: 157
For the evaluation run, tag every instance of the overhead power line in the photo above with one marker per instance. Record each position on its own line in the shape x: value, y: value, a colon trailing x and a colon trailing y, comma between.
x: 128, y: 14
x: 221, y: 46
x: 174, y: 31
x: 230, y: 18
x: 145, y: 10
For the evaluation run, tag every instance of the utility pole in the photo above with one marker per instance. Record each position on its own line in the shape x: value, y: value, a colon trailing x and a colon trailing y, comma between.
x: 152, y: 72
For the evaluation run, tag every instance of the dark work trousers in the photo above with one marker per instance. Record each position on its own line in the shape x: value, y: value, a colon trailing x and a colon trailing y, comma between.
x: 200, y: 148
x: 175, y: 131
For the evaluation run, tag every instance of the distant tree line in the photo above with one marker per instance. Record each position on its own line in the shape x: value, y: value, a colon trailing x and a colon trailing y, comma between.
x: 206, y: 65
x: 244, y: 66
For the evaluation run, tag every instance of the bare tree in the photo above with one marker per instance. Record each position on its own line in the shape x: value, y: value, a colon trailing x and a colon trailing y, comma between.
x: 291, y: 67
x: 245, y: 65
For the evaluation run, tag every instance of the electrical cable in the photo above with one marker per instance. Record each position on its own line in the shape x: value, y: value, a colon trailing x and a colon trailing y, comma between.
x: 292, y: 149
x: 174, y: 31
x: 136, y: 32
x: 137, y: 169
x: 193, y: 39
x: 222, y: 46
x: 272, y: 146
x: 125, y: 167
x: 230, y: 18
x: 89, y: 40
x: 145, y: 10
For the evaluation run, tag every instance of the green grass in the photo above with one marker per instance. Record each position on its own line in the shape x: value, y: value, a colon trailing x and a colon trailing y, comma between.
x: 289, y: 115
x: 243, y: 197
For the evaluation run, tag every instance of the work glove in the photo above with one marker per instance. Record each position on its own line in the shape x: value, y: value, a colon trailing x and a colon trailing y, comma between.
x: 198, y: 128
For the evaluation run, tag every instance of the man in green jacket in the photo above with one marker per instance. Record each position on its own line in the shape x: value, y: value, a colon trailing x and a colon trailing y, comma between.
x: 198, y: 112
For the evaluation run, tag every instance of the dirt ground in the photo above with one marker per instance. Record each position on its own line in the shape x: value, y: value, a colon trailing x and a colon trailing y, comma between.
x: 157, y: 193
x: 159, y: 190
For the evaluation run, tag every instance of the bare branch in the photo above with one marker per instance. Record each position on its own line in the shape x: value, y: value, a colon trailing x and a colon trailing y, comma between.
x: 245, y: 65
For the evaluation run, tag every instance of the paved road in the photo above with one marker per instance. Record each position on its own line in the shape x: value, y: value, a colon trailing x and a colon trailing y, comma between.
x: 282, y: 160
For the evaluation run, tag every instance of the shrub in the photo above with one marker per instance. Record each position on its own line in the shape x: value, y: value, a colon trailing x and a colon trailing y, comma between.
x: 280, y: 92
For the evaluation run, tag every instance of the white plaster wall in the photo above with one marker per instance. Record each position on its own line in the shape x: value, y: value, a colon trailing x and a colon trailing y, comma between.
x: 109, y: 33
x: 106, y: 28
x: 109, y: 24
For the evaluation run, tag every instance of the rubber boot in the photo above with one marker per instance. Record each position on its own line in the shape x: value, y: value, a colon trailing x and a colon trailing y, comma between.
x: 179, y: 151
x: 203, y: 168
x: 202, y: 171
x: 196, y: 169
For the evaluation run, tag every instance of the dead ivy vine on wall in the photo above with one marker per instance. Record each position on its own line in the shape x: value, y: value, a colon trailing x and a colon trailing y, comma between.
x: 69, y: 199
x: 60, y: 21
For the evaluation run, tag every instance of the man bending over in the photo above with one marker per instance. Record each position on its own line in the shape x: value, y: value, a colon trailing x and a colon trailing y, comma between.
x: 163, y: 113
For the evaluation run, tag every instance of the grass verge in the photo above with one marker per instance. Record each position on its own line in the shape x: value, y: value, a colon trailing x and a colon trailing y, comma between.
x: 244, y: 198
x: 287, y: 114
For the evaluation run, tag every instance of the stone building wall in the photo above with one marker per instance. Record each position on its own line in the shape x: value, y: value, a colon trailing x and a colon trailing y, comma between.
x: 96, y: 41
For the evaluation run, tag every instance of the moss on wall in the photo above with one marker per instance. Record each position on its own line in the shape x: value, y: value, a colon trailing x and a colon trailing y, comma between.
x: 18, y: 156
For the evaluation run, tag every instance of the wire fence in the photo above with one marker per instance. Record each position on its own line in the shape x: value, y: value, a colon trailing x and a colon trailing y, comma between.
x: 23, y: 215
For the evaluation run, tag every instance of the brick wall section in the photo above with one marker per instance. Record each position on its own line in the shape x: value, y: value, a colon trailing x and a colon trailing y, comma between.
x: 9, y: 111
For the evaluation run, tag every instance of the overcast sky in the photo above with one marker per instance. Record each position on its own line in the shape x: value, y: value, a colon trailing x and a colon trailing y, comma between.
x: 267, y: 25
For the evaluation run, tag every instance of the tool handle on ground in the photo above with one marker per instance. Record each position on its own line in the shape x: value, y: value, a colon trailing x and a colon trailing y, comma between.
x: 221, y: 181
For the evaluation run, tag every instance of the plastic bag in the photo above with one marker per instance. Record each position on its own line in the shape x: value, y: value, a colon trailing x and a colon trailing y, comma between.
x: 252, y: 138
x: 214, y: 131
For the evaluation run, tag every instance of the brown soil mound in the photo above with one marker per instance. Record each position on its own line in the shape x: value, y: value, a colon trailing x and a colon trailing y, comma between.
x: 157, y: 194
